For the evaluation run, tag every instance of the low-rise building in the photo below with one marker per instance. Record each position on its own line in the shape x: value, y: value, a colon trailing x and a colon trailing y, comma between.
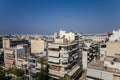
x: 97, y: 71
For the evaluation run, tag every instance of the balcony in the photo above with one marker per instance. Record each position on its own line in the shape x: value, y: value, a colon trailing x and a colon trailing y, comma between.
x: 64, y: 51
x: 65, y: 62
x: 10, y: 62
x: 74, y: 70
x: 56, y: 73
x: 56, y: 46
x: 65, y: 55
x: 64, y: 59
x: 74, y: 49
x: 10, y: 56
x: 53, y: 53
x: 53, y: 60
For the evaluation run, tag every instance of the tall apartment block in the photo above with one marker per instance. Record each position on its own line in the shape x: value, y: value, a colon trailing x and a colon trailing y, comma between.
x: 64, y: 56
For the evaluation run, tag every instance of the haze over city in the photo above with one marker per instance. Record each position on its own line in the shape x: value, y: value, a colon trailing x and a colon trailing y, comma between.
x: 48, y: 16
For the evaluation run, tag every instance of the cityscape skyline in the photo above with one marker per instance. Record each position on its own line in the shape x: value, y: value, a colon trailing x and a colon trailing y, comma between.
x: 46, y: 17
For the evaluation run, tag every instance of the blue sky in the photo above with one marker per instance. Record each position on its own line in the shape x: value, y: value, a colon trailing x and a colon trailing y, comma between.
x: 48, y: 16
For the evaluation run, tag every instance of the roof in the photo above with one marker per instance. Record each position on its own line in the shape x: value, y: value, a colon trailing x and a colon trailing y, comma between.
x: 99, y: 65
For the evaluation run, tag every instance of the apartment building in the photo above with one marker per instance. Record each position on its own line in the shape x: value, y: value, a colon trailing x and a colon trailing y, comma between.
x: 8, y: 42
x: 115, y: 35
x: 10, y: 57
x: 34, y: 65
x: 15, y: 56
x: 108, y: 67
x: 64, y: 56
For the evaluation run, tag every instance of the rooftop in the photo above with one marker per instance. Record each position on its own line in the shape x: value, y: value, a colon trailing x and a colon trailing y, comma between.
x: 99, y: 65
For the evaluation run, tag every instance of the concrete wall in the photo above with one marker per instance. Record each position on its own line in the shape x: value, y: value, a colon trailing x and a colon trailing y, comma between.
x: 37, y: 46
x: 112, y: 48
x: 99, y: 74
x: 84, y: 59
x: 114, y: 65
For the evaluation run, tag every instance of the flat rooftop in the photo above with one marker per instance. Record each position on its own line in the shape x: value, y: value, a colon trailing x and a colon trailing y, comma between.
x: 99, y: 65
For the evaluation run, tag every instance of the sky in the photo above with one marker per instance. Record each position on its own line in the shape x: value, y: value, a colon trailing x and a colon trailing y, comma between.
x: 49, y: 16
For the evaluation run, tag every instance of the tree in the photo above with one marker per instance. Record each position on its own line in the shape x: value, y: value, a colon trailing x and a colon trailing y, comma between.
x: 67, y: 77
x: 97, y: 50
x: 51, y: 79
x: 17, y: 72
x: 2, y: 73
x: 61, y: 78
x: 43, y: 74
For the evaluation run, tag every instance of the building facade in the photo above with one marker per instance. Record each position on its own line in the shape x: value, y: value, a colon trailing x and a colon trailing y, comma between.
x: 37, y: 46
x: 64, y: 56
x: 115, y: 35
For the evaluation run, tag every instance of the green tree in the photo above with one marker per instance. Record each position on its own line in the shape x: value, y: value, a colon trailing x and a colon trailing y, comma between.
x: 43, y: 74
x: 17, y: 72
x: 2, y: 73
x: 61, y: 78
x: 67, y: 77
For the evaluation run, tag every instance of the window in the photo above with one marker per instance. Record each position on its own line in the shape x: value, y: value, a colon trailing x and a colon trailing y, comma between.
x: 112, y: 63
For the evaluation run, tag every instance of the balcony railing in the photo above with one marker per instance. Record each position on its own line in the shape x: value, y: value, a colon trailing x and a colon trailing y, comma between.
x: 54, y: 60
x: 53, y: 53
x: 56, y: 73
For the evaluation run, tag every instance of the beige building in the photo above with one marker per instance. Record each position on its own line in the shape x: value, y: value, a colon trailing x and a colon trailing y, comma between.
x: 10, y: 57
x: 37, y: 46
x: 15, y: 57
x: 113, y: 47
x: 6, y: 42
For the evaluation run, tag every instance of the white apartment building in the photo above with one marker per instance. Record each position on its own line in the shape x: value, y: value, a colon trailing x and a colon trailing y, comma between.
x: 115, y: 35
x: 64, y: 56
